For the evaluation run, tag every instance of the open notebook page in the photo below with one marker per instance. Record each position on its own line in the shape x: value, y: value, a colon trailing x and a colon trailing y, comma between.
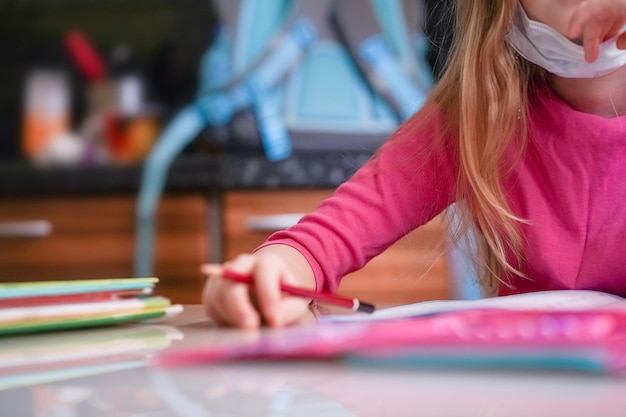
x: 542, y: 300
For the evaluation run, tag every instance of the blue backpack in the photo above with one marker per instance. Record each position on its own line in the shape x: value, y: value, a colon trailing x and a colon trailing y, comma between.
x: 285, y: 75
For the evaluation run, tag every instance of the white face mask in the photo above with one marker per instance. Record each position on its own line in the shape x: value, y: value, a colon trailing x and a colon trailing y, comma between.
x: 546, y: 47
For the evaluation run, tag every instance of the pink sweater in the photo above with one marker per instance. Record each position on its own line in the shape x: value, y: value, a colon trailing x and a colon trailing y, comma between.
x: 571, y: 185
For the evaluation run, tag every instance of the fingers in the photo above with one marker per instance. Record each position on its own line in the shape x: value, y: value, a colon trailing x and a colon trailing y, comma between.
x: 267, y: 288
x: 589, y: 25
x: 211, y: 269
x: 242, y: 305
x: 277, y: 309
x: 229, y: 303
x: 591, y: 42
x: 594, y: 21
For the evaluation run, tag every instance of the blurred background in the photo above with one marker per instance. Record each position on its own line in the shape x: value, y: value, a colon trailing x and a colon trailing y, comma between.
x: 86, y: 89
x: 68, y: 62
x: 111, y: 72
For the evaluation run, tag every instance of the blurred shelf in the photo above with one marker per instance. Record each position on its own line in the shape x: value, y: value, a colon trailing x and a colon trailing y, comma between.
x: 189, y: 172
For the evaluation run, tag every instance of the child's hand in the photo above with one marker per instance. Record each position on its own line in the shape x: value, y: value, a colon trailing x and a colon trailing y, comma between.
x: 598, y: 20
x: 240, y: 305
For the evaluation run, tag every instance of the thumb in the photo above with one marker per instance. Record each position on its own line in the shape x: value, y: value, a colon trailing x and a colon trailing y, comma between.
x: 621, y: 41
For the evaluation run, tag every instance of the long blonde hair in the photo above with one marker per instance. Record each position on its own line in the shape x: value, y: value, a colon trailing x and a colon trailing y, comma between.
x: 483, y: 95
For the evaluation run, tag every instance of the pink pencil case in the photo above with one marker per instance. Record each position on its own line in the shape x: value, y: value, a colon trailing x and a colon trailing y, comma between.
x: 590, y: 340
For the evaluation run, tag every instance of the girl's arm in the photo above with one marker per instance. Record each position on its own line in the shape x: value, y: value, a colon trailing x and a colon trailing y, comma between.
x: 409, y: 181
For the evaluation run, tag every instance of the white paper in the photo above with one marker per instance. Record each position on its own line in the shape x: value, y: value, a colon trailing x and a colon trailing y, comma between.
x: 541, y: 300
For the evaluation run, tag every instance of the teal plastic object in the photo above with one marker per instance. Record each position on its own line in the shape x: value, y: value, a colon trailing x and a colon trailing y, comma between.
x: 216, y: 66
x: 259, y: 23
x: 227, y: 85
x: 183, y: 129
x: 401, y: 89
x: 346, y: 105
x: 411, y: 48
x: 463, y: 274
x: 215, y: 108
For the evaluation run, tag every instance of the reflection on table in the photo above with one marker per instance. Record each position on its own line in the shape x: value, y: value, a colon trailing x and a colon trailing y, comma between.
x: 298, y: 388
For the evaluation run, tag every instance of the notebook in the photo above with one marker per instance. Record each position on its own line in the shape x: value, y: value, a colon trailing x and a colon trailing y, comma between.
x: 544, y: 300
x: 33, y: 307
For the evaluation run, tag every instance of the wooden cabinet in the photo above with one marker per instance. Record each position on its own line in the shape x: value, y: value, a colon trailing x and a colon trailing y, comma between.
x: 94, y: 237
x: 414, y: 269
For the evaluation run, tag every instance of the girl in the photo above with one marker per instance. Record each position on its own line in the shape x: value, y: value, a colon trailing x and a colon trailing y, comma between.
x: 525, y: 132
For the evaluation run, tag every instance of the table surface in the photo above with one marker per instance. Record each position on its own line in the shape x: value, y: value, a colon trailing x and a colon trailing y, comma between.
x: 287, y: 388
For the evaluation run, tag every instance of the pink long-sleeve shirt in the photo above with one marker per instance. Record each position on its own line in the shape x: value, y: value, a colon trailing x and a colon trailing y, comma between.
x: 570, y: 185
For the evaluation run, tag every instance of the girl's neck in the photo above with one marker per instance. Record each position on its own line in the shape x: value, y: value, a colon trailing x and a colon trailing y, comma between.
x: 603, y: 96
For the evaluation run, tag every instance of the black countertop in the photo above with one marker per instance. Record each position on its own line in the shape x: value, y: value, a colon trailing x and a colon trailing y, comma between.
x: 188, y: 172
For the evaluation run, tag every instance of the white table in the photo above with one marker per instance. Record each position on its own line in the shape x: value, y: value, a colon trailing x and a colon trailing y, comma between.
x: 308, y: 388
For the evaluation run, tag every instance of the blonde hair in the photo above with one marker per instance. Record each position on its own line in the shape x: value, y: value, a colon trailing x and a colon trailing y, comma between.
x: 483, y: 95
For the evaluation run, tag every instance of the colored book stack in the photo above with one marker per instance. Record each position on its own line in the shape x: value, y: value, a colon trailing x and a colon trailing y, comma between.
x: 31, y: 307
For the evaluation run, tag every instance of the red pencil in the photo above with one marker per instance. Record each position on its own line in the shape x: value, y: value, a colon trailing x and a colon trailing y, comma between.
x: 352, y: 303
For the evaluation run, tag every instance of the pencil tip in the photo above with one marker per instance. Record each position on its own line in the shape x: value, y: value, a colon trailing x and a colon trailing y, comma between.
x: 366, y: 307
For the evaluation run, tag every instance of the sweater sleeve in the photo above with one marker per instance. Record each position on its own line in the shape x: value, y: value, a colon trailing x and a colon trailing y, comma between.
x: 407, y: 183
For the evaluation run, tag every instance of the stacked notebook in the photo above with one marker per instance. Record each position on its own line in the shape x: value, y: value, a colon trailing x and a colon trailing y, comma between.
x: 56, y: 305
